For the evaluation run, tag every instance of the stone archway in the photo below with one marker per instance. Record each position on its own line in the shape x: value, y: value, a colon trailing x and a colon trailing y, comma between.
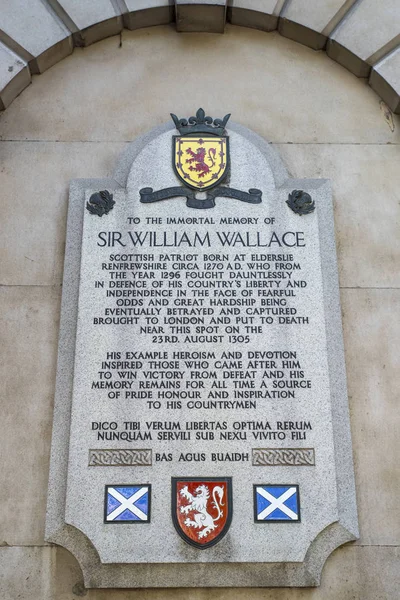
x: 362, y: 36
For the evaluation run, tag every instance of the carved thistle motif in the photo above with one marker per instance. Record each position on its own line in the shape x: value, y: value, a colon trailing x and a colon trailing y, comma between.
x: 300, y: 202
x: 100, y: 203
x: 120, y: 458
x: 278, y: 457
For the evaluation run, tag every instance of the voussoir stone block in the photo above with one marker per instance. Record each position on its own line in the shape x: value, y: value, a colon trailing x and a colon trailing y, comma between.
x: 257, y: 14
x: 366, y: 35
x: 14, y: 76
x: 146, y: 13
x: 310, y: 23
x: 385, y: 80
x: 203, y: 16
x: 90, y: 21
x: 31, y: 30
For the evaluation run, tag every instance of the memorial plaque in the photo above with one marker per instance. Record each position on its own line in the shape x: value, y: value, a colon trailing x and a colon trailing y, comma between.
x: 201, y: 432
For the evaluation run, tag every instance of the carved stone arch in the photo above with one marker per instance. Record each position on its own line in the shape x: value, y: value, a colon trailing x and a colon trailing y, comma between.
x: 363, y: 37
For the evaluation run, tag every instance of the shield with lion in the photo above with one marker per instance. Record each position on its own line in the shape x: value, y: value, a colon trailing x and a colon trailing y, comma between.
x: 202, y: 509
x: 201, y: 162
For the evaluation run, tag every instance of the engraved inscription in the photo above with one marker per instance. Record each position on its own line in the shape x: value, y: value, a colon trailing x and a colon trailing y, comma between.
x: 276, y: 457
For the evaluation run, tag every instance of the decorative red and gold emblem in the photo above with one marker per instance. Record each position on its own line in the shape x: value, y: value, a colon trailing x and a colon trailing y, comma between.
x: 201, y: 152
x: 200, y: 158
x: 202, y: 509
x: 201, y: 162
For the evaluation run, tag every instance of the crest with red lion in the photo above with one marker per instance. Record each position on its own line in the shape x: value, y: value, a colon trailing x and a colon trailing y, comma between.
x: 202, y: 509
x: 201, y: 153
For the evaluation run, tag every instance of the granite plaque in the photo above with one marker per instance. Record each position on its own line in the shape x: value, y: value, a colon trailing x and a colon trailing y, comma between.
x: 201, y: 431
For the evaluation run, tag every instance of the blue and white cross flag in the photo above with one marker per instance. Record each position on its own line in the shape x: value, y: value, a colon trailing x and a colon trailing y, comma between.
x: 276, y: 503
x: 127, y: 503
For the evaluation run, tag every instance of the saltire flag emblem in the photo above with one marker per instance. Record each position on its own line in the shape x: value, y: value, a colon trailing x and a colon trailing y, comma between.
x: 127, y: 503
x: 276, y: 503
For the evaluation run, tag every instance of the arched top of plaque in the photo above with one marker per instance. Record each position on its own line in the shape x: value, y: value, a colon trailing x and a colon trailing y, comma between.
x: 253, y: 161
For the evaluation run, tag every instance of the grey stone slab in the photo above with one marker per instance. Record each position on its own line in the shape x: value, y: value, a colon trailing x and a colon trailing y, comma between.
x: 367, y: 240
x: 14, y: 76
x: 146, y: 13
x: 90, y: 21
x: 365, y: 35
x: 263, y: 6
x: 99, y: 31
x: 75, y: 507
x: 29, y: 325
x: 66, y: 354
x: 319, y: 17
x: 345, y: 57
x: 131, y: 152
x: 385, y: 80
x: 311, y: 22
x: 368, y: 572
x: 302, y: 34
x: 32, y: 228
x: 89, y: 13
x: 49, y: 110
x: 192, y: 15
x: 30, y: 29
x: 27, y: 573
x: 257, y: 14
x: 371, y: 328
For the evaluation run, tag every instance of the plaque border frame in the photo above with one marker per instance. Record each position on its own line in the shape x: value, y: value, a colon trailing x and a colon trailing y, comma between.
x: 165, y: 575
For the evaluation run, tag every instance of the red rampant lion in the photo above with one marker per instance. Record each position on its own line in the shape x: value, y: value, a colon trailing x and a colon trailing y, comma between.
x: 199, y: 158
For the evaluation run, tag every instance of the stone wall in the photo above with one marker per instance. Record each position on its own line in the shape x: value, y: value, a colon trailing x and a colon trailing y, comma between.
x: 72, y: 122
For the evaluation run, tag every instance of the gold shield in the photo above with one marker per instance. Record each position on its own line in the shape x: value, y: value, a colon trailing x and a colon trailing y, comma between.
x: 201, y: 162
